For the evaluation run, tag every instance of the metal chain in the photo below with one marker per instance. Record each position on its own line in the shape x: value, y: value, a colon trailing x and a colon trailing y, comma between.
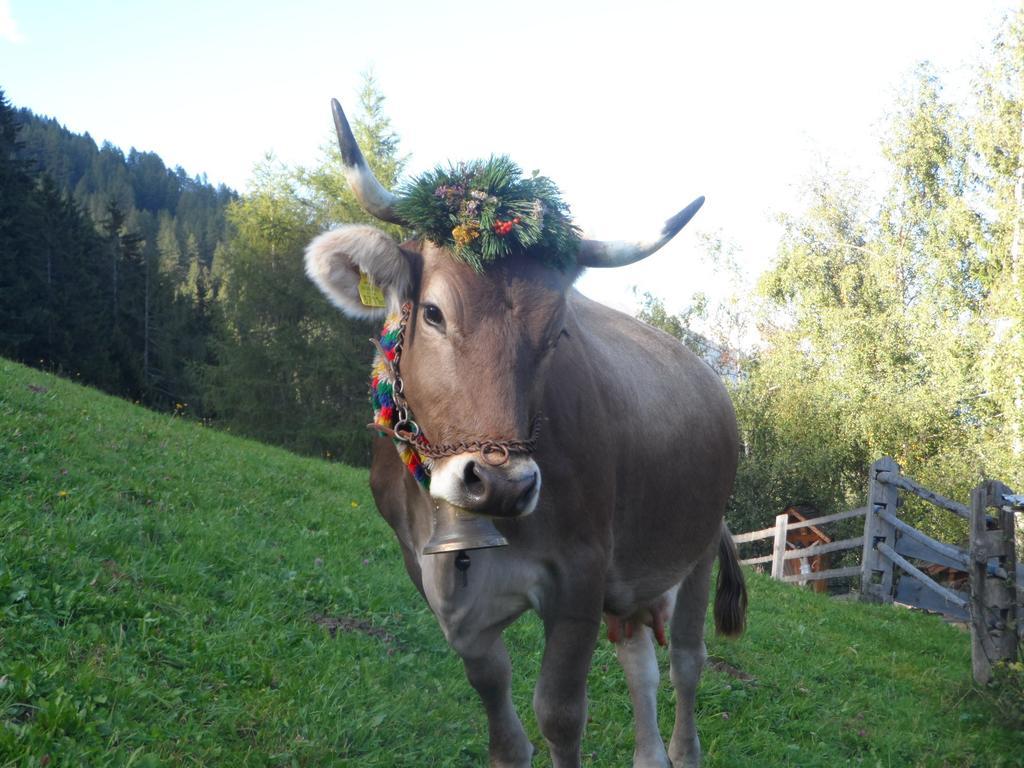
x: 494, y: 452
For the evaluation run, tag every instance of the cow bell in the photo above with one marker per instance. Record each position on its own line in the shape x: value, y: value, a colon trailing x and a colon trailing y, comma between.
x: 456, y: 529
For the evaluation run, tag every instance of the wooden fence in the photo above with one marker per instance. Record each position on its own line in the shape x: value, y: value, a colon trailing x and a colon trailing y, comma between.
x: 994, y: 602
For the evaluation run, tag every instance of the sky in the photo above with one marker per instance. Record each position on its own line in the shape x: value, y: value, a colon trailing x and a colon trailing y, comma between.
x: 633, y: 109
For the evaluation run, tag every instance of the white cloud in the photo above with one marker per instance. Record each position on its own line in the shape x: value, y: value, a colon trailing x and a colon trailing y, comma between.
x: 8, y: 27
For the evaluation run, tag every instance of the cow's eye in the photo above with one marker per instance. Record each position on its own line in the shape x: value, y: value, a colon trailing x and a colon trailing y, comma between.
x: 432, y: 314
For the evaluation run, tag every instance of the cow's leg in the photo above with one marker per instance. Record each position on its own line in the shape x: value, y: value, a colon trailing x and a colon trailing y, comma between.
x: 639, y: 662
x: 560, y: 698
x: 688, y: 654
x: 490, y: 673
x: 472, y: 612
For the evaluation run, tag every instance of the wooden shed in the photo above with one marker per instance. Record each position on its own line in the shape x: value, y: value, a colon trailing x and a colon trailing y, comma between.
x: 807, y: 538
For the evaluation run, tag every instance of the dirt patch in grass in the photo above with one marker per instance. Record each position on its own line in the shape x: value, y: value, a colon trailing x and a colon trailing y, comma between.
x: 349, y: 624
x: 719, y: 664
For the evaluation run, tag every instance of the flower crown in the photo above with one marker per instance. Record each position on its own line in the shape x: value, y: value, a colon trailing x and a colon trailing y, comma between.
x: 485, y: 210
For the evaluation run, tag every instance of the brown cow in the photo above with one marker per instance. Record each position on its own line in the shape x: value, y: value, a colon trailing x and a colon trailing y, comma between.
x: 616, y: 509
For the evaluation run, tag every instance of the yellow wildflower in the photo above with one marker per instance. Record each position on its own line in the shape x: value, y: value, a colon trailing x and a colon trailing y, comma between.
x: 464, y: 234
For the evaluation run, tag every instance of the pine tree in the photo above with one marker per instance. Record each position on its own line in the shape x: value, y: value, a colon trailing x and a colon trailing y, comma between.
x: 127, y: 296
x: 325, y: 187
x: 94, y: 296
x: 16, y: 239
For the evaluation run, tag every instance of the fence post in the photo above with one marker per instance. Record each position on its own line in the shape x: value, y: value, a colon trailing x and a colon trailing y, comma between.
x: 994, y: 607
x: 779, y: 550
x: 876, y: 582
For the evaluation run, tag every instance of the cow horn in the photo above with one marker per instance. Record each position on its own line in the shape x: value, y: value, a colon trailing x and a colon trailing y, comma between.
x: 619, y: 253
x: 375, y: 200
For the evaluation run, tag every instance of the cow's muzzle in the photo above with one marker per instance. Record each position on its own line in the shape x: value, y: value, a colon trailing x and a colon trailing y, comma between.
x: 471, y: 482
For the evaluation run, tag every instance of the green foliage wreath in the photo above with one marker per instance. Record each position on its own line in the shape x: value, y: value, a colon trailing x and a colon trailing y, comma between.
x: 486, y: 210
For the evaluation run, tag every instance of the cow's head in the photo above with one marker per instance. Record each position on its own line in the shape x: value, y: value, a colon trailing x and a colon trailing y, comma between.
x: 478, y: 341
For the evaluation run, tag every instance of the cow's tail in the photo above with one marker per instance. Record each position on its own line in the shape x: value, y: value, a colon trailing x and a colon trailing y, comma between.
x: 731, y: 589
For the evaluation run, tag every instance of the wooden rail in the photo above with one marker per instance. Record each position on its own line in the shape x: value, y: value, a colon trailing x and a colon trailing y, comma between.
x: 921, y: 546
x: 828, y: 518
x: 955, y: 554
x: 924, y: 578
x: 780, y: 554
x: 743, y: 538
x: 835, y: 573
x: 894, y: 478
x: 767, y: 533
x: 821, y: 549
x: 994, y: 605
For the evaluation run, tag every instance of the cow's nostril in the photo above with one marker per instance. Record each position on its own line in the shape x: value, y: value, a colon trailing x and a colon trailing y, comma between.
x: 473, y: 480
x: 526, y: 494
x: 491, y: 491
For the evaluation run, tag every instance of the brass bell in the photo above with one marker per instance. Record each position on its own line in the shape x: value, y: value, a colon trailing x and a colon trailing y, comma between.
x: 457, y: 529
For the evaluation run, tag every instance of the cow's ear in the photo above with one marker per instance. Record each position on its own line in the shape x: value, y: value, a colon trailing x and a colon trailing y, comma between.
x: 337, y: 261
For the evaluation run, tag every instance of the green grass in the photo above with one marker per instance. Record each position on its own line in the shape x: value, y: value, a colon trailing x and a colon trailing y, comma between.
x: 158, y: 583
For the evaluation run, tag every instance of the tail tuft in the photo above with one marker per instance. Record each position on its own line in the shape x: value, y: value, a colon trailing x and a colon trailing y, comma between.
x: 730, y: 590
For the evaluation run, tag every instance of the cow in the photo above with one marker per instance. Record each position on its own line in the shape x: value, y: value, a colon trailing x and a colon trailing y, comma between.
x: 602, y: 450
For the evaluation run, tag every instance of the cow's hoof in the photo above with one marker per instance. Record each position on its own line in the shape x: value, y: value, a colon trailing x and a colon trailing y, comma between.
x: 685, y: 754
x: 521, y: 760
x: 649, y: 759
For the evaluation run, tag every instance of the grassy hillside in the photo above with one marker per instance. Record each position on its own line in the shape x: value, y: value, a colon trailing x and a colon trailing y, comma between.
x: 170, y: 595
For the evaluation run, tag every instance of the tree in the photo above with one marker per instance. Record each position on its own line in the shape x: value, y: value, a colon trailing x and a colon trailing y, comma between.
x: 716, y: 329
x: 17, y: 281
x: 94, y: 295
x: 47, y: 248
x: 289, y: 369
x: 999, y: 138
x: 324, y: 187
x: 284, y: 358
x: 168, y: 249
x: 127, y: 297
x: 653, y: 312
x: 873, y: 331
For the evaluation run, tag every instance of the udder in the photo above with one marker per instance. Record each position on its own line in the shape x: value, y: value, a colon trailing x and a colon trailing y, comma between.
x: 654, y: 615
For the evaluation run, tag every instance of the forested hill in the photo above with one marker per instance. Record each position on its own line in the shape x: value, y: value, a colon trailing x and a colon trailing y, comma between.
x: 154, y: 198
x: 107, y: 262
x: 153, y: 285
